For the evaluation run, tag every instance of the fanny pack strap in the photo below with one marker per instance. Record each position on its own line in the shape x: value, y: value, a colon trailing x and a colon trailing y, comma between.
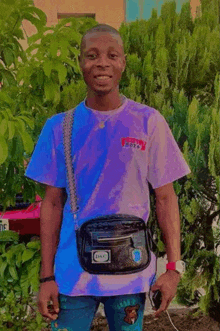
x: 67, y: 139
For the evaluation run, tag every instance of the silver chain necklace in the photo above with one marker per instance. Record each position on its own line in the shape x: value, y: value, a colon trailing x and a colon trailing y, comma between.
x: 101, y: 123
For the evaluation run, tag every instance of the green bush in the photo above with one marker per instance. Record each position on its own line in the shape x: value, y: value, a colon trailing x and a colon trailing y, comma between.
x: 19, y: 281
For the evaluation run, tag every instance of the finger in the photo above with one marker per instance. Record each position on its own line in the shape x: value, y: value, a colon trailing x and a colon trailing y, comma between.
x: 50, y: 316
x: 168, y: 303
x: 162, y: 306
x: 55, y: 303
x: 44, y: 310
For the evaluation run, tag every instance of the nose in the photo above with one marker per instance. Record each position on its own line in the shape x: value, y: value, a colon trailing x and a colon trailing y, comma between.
x: 103, y: 60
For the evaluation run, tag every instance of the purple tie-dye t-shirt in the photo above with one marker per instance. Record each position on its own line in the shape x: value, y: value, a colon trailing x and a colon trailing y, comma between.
x: 113, y: 166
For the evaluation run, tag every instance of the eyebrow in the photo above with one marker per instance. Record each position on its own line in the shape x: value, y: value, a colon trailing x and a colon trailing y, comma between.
x: 96, y: 49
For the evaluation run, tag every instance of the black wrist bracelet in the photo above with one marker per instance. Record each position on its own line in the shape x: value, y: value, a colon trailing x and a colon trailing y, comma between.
x: 47, y: 279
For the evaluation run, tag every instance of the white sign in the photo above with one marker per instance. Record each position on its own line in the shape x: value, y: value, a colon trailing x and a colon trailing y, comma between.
x: 101, y: 256
x: 4, y: 225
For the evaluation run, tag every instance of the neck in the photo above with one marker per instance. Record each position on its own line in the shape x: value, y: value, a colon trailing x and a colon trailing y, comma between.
x: 103, y: 102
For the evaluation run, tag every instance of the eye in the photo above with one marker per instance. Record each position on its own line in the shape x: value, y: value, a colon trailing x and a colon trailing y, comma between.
x: 95, y: 55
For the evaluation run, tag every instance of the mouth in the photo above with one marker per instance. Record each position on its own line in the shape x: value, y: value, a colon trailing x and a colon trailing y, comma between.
x: 102, y: 79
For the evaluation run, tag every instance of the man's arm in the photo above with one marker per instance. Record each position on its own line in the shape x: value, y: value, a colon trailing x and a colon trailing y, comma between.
x: 167, y: 210
x: 51, y: 215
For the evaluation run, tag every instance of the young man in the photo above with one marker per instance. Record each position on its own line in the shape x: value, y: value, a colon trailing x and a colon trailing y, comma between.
x: 118, y: 147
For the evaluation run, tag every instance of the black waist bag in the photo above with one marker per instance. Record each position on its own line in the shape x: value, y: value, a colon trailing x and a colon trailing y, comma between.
x: 114, y: 244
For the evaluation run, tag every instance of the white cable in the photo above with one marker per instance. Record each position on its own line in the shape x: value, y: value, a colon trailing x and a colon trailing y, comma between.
x: 171, y: 320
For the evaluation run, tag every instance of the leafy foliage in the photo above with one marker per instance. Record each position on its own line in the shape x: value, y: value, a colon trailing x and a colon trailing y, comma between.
x: 46, y: 80
x: 19, y: 281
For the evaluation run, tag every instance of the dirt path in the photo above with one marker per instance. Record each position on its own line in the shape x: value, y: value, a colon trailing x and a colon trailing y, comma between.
x: 182, y: 319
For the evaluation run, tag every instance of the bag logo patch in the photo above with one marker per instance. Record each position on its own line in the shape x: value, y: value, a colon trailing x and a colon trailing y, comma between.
x: 101, y: 256
x: 136, y: 254
x: 133, y: 142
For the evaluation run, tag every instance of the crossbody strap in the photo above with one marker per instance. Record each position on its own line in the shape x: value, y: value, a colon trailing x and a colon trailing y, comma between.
x: 67, y: 139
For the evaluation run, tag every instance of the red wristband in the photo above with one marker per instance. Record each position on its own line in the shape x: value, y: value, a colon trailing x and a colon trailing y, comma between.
x: 171, y: 266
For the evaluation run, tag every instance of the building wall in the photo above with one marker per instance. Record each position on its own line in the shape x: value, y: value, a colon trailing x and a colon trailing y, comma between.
x: 112, y: 12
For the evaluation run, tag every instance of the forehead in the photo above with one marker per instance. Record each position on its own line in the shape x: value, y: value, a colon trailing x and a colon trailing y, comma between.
x: 100, y: 39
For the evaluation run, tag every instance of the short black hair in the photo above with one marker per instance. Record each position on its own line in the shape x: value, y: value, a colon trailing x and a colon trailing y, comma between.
x: 100, y: 28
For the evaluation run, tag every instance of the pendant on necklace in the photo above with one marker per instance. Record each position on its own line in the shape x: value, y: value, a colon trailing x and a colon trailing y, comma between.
x: 101, y: 125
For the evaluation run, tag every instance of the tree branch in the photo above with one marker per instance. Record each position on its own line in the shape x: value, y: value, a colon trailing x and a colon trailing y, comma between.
x: 213, y: 215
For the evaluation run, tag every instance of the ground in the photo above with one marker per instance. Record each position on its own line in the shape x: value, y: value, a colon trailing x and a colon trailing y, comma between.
x: 183, y: 320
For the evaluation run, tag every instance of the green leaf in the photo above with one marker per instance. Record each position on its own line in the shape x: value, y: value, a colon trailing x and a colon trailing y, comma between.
x: 34, y: 245
x: 32, y: 47
x: 7, y: 236
x: 8, y: 56
x: 160, y: 246
x: 20, y: 123
x: 63, y: 46
x: 35, y: 21
x: 73, y: 64
x: 30, y: 122
x: 9, y: 112
x: 27, y: 255
x: 54, y: 48
x: 11, y: 129
x: 19, y: 33
x: 24, y: 283
x: 8, y: 78
x: 75, y: 51
x: 18, y: 260
x: 39, y: 319
x: 13, y: 272
x: 75, y: 36
x: 3, y: 265
x: 42, y: 16
x: 27, y: 141
x: 3, y: 126
x: 62, y: 72
x: 5, y: 98
x: 51, y: 90
x: 40, y: 77
x: 32, y: 39
x: 48, y: 66
x: 3, y: 149
x: 57, y: 96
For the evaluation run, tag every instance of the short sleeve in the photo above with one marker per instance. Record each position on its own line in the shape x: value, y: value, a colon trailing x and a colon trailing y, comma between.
x: 165, y: 160
x: 47, y: 164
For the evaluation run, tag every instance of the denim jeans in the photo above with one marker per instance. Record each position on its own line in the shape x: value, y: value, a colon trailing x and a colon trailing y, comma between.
x: 123, y: 312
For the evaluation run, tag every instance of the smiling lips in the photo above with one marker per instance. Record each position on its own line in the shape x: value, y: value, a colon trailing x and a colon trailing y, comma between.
x: 103, y: 77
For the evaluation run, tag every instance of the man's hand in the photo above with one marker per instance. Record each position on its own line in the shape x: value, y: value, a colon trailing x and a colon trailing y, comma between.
x: 48, y: 292
x: 167, y: 284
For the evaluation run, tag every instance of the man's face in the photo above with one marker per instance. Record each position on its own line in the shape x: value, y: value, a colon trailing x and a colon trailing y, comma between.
x: 102, y: 55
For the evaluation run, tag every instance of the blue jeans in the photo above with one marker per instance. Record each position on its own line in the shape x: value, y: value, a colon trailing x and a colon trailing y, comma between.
x: 123, y: 312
